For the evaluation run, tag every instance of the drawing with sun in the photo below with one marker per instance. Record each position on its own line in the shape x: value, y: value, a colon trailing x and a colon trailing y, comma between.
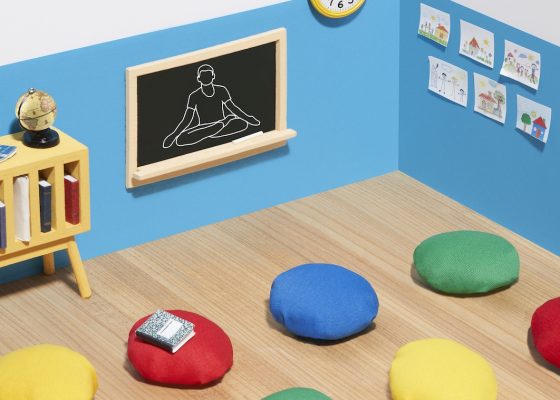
x: 434, y: 24
x: 477, y: 44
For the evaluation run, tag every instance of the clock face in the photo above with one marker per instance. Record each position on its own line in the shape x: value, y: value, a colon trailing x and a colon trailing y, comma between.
x: 337, y: 8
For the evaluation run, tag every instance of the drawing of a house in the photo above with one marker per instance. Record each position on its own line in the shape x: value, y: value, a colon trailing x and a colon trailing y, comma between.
x: 442, y: 33
x: 539, y: 128
x: 487, y: 103
x: 474, y: 48
x: 510, y: 59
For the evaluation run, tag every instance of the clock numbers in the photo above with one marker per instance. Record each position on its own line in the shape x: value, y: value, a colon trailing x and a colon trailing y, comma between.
x: 339, y: 5
x: 337, y: 8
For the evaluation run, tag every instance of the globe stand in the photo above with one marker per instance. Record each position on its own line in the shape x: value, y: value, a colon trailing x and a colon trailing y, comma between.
x: 41, y: 139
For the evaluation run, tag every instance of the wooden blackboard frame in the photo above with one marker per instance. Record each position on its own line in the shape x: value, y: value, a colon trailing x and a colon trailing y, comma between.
x: 141, y: 175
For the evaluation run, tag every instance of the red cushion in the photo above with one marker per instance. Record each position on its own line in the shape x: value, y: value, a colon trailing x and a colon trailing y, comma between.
x: 545, y: 327
x: 202, y: 360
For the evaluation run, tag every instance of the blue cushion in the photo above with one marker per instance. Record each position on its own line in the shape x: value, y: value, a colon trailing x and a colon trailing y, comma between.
x: 323, y: 301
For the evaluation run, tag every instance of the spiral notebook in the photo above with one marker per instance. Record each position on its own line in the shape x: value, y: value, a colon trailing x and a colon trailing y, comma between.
x: 166, y: 330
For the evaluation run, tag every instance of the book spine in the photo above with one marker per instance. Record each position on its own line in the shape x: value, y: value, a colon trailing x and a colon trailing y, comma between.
x: 3, y: 235
x: 21, y: 212
x: 45, y: 201
x: 72, y: 201
x: 150, y: 339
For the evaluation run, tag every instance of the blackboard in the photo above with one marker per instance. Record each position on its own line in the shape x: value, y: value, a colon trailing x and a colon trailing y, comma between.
x: 205, y: 108
x: 247, y: 77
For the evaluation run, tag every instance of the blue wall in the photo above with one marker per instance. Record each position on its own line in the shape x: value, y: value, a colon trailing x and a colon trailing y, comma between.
x: 492, y: 168
x: 335, y: 81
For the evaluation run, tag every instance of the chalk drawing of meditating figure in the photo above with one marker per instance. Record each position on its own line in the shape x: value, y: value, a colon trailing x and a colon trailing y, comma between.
x: 211, y: 113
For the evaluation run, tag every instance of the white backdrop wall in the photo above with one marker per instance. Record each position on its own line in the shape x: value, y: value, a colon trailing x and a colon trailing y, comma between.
x: 36, y: 28
x: 537, y: 17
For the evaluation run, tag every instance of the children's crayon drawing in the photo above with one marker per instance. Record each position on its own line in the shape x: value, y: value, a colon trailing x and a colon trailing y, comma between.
x: 522, y: 65
x: 490, y: 98
x: 434, y: 24
x: 449, y: 81
x: 533, y: 118
x: 477, y: 43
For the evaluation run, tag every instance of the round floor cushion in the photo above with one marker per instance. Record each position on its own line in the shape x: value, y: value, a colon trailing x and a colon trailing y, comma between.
x: 323, y: 301
x: 440, y: 369
x: 46, y: 372
x: 298, y: 394
x: 467, y: 262
x: 202, y: 360
x: 545, y: 328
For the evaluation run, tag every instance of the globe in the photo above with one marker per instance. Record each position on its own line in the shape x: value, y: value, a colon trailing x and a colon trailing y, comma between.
x: 36, y: 112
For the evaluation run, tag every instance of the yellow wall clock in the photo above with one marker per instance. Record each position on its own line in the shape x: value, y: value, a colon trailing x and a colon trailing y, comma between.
x: 337, y: 8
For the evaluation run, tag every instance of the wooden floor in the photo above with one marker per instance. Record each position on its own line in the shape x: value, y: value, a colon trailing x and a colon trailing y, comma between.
x: 224, y: 272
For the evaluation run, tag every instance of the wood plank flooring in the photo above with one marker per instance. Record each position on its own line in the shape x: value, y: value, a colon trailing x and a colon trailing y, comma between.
x: 224, y: 272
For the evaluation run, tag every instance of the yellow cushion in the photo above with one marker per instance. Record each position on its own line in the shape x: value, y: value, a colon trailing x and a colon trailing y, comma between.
x: 46, y: 372
x: 439, y: 369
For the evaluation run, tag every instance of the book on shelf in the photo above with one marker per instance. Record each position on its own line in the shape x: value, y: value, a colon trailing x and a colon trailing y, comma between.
x: 7, y: 152
x: 45, y: 205
x: 166, y: 330
x: 72, y: 199
x: 21, y: 208
x: 3, y: 233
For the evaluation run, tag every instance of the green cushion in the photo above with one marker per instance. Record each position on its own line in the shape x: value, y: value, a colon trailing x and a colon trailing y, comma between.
x: 297, y: 394
x: 467, y: 262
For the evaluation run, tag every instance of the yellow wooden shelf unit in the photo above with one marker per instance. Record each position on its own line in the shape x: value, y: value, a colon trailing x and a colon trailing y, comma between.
x: 68, y: 157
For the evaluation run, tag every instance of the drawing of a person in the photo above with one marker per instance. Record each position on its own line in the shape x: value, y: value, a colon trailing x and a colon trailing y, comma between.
x: 534, y: 73
x: 443, y: 82
x: 461, y: 95
x: 211, y: 113
x: 433, y: 76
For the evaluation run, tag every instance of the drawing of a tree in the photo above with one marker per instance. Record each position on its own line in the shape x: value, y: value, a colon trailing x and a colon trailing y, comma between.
x: 526, y: 120
x: 454, y: 82
x: 501, y: 99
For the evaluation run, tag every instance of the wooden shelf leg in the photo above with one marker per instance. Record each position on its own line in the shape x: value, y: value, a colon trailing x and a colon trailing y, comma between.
x: 78, y: 268
x: 48, y: 264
